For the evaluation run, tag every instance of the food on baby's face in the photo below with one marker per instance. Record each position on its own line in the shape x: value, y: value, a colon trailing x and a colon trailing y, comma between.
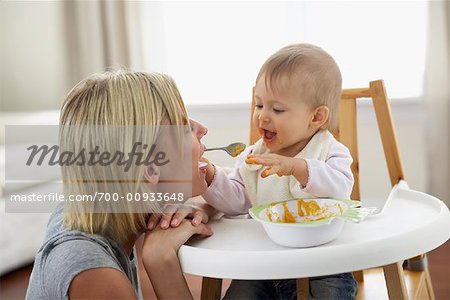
x: 279, y: 141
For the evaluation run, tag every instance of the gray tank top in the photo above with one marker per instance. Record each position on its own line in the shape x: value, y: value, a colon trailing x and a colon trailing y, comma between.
x: 66, y: 253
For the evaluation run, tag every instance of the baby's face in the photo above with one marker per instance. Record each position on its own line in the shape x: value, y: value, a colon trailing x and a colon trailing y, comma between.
x: 282, y: 118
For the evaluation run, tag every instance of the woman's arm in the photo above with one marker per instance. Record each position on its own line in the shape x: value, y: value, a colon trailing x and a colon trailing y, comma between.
x: 101, y: 283
x: 160, y: 258
x: 166, y: 276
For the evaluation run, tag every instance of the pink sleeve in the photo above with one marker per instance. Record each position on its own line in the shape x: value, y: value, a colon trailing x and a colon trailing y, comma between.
x: 332, y: 177
x: 227, y: 190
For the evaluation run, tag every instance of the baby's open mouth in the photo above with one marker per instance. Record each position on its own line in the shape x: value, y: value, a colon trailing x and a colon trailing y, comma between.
x: 202, y: 166
x: 269, y: 136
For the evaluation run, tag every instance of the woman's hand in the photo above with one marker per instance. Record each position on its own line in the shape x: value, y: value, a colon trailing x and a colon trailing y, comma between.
x: 174, y: 214
x: 281, y: 165
x: 195, y: 209
x: 210, y: 170
x: 171, y: 239
x: 160, y: 258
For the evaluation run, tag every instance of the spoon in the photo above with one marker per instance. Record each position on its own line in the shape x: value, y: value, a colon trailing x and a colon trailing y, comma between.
x: 233, y: 149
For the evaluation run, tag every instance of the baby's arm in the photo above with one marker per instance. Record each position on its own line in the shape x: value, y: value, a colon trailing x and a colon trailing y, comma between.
x: 226, y: 191
x: 332, y: 177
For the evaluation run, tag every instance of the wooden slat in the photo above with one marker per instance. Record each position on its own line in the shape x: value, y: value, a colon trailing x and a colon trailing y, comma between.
x: 302, y: 288
x: 418, y: 284
x: 387, y: 132
x: 374, y: 285
x: 428, y: 291
x: 429, y: 286
x: 393, y: 273
x: 359, y: 275
x: 211, y: 288
x: 348, y: 136
x: 395, y: 281
x: 356, y: 93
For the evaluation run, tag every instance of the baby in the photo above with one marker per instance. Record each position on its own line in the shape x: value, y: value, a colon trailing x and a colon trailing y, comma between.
x: 296, y: 100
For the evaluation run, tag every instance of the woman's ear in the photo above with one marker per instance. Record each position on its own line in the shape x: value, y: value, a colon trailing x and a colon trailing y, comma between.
x: 151, y: 174
x: 320, y: 117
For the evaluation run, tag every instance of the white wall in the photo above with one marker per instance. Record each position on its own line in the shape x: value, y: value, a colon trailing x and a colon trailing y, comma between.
x: 33, y: 60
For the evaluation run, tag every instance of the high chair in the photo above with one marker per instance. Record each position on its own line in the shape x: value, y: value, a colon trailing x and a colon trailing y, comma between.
x: 239, y: 248
x: 347, y: 134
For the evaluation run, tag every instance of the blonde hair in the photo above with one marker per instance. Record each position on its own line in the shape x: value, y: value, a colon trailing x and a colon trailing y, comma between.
x: 312, y: 71
x: 122, y: 98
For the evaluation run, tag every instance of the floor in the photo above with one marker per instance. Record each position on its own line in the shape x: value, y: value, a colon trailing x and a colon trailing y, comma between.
x: 13, y: 285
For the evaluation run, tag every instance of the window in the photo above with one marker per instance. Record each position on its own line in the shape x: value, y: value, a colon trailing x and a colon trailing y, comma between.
x: 214, y: 49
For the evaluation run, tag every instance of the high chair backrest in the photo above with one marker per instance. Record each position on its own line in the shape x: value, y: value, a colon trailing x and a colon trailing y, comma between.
x: 347, y: 130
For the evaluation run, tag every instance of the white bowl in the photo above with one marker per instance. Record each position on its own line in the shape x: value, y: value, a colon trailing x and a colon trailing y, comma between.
x: 302, y: 222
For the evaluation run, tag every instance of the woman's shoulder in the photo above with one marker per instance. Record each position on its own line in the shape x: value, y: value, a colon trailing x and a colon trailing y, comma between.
x: 67, y: 253
x: 79, y: 250
x: 86, y: 285
x: 58, y: 234
x: 59, y: 262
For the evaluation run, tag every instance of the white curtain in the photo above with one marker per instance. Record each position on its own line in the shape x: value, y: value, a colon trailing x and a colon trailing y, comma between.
x: 437, y: 99
x: 99, y: 35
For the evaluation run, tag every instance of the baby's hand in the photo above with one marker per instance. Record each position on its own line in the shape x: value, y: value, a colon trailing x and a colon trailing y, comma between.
x: 210, y: 171
x: 174, y: 214
x: 276, y: 164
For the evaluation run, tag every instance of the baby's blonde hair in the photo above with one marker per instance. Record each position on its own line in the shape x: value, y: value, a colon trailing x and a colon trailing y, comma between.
x: 114, y: 98
x: 312, y: 71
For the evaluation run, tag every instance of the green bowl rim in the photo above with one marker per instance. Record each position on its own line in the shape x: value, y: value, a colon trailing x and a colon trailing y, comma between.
x: 254, y: 212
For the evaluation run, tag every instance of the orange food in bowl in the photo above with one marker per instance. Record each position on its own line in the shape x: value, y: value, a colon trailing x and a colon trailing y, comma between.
x: 305, y: 211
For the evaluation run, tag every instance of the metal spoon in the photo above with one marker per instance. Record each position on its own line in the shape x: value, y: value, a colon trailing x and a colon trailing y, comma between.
x: 233, y: 149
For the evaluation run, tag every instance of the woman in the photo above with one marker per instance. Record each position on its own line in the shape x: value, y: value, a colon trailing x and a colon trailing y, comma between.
x: 88, y: 248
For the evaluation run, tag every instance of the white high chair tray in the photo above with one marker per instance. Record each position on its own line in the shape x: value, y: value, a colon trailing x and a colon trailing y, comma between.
x: 411, y: 223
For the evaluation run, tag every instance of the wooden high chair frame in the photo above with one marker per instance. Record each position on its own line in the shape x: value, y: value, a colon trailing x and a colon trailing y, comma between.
x: 347, y: 134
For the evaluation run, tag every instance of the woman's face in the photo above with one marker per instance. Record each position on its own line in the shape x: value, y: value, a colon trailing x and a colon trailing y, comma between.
x: 199, y: 184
